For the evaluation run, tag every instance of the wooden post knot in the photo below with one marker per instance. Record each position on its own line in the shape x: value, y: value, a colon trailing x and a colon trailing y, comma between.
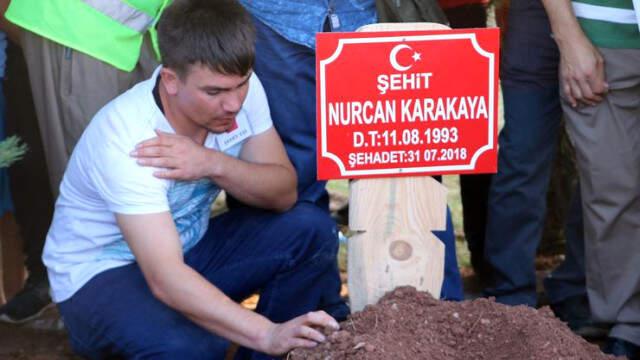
x: 400, y: 250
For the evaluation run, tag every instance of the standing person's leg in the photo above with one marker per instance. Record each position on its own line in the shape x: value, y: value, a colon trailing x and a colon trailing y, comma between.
x: 527, y: 144
x: 606, y: 138
x: 474, y: 189
x: 68, y: 88
x: 474, y: 193
x: 287, y: 72
x: 44, y: 59
x: 566, y: 285
x: 30, y: 190
x: 517, y: 200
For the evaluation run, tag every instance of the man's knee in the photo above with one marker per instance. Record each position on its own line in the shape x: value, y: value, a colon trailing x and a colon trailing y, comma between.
x: 178, y: 340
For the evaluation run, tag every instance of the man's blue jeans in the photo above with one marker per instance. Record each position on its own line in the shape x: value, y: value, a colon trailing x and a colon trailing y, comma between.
x: 287, y: 257
x: 517, y: 201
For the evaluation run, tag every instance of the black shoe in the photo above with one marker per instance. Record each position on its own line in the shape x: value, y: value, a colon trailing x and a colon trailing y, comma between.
x: 28, y: 304
x: 576, y: 313
x: 481, y: 268
x: 619, y: 347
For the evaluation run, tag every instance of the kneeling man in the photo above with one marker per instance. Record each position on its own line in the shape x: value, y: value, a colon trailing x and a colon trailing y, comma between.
x: 137, y: 267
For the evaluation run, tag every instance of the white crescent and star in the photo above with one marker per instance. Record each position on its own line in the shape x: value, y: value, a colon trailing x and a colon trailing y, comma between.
x: 393, y: 57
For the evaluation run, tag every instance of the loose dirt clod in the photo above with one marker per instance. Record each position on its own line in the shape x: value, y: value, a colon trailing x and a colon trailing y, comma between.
x: 407, y: 324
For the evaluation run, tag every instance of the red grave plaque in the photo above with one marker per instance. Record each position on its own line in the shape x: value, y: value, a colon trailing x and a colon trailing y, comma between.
x: 407, y: 103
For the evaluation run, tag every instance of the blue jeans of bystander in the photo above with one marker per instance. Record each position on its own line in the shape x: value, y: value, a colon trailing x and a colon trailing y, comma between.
x: 517, y: 201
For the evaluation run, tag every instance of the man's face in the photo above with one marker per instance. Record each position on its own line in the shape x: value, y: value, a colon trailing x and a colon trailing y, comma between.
x: 209, y: 99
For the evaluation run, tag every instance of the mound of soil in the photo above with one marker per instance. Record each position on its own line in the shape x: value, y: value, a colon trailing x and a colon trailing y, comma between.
x: 407, y: 324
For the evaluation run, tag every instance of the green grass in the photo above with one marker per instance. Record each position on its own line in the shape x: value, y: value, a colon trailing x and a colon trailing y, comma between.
x: 339, y: 186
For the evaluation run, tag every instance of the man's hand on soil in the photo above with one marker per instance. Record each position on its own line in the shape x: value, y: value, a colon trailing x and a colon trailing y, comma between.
x: 301, y: 332
x: 179, y: 156
x: 582, y: 72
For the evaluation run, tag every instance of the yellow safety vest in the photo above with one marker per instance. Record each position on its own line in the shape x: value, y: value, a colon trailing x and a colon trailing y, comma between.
x: 109, y: 30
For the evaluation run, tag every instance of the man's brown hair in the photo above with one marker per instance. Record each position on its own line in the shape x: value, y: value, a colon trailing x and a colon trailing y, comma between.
x: 218, y: 34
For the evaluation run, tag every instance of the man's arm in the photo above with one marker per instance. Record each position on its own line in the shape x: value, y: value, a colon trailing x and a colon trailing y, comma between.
x: 263, y: 175
x: 155, y: 243
x: 12, y: 31
x: 581, y: 65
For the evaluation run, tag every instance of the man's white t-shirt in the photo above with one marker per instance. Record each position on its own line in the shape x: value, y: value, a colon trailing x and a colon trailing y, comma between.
x: 103, y: 179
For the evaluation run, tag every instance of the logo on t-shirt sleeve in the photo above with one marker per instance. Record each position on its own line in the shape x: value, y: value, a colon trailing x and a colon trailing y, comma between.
x: 234, y: 126
x: 239, y: 132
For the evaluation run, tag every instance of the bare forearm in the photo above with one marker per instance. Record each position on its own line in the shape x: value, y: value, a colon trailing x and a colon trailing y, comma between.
x: 564, y: 24
x: 582, y: 71
x: 269, y: 186
x: 155, y: 243
x: 189, y: 293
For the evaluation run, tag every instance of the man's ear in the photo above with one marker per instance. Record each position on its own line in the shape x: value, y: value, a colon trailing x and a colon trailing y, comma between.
x: 170, y: 80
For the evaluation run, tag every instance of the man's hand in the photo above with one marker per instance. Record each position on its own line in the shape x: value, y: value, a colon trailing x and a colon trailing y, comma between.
x: 581, y: 65
x: 262, y: 176
x: 182, y: 158
x: 582, y: 72
x: 301, y: 332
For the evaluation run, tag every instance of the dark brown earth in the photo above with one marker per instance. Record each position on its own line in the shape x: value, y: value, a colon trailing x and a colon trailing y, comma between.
x: 41, y: 339
x: 407, y: 324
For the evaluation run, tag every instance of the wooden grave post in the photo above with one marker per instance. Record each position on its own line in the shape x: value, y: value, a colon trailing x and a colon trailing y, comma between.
x: 391, y: 220
x: 392, y: 244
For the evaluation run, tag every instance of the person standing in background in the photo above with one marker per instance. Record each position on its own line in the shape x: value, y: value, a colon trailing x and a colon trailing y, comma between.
x: 517, y: 201
x: 599, y: 43
x: 80, y: 55
x: 26, y: 193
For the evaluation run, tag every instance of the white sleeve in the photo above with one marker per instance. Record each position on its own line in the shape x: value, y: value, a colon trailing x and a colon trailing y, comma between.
x: 125, y: 186
x: 257, y: 107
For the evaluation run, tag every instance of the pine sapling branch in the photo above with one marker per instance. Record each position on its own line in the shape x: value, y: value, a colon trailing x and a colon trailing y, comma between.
x: 12, y: 149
